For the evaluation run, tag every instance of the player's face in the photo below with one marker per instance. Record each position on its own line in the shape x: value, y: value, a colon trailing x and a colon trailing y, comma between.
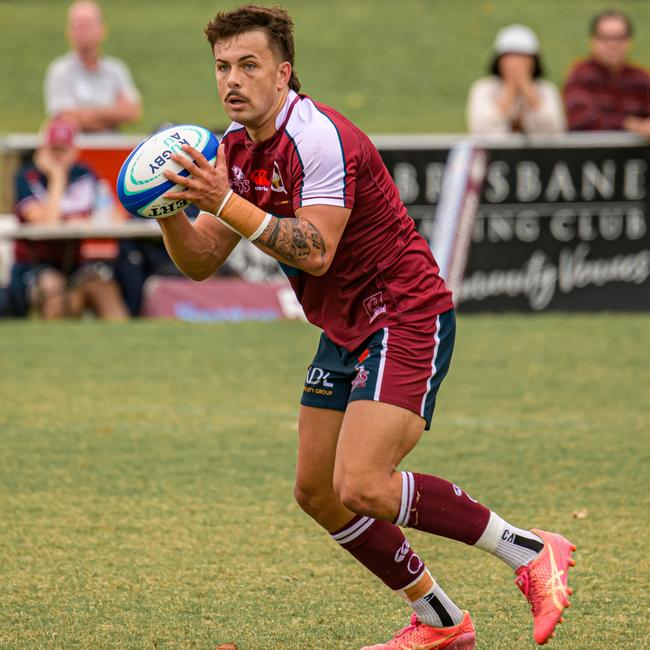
x: 250, y: 79
x: 611, y: 42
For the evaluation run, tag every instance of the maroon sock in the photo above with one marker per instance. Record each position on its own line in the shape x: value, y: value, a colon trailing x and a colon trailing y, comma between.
x: 436, y: 506
x: 382, y: 548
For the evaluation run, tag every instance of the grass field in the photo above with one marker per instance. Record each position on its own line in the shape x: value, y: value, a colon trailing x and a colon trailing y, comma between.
x: 146, y: 484
x: 391, y: 66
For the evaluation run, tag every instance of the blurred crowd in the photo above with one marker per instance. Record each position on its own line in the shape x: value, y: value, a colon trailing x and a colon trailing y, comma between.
x: 87, y: 91
x: 602, y: 92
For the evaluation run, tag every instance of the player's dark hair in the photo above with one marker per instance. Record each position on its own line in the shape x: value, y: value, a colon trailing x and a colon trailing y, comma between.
x: 275, y: 22
x: 538, y: 70
x: 610, y: 13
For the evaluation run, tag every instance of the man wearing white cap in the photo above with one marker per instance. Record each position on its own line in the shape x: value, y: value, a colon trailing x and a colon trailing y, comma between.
x: 515, y: 97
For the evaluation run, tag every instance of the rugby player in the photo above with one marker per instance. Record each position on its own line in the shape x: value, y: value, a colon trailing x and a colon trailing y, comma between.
x: 308, y: 188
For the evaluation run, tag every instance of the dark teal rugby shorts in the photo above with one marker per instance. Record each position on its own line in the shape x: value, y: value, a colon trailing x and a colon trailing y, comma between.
x: 401, y: 365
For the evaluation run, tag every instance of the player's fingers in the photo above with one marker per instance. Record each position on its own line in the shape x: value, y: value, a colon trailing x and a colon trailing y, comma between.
x: 185, y: 181
x: 221, y: 157
x: 200, y: 160
x: 182, y: 194
x: 185, y: 162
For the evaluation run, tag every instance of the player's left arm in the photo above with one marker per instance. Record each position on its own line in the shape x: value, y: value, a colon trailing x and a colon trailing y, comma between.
x: 307, y: 241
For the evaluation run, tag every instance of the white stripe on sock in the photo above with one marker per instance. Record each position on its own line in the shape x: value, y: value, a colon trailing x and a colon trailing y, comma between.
x: 351, y: 528
x: 407, y: 499
x: 350, y: 534
x: 403, y: 506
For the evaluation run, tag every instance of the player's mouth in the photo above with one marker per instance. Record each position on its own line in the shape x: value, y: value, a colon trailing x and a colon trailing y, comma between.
x: 235, y: 100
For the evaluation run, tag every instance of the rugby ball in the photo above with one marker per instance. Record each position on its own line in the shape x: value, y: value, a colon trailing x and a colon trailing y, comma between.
x: 141, y: 184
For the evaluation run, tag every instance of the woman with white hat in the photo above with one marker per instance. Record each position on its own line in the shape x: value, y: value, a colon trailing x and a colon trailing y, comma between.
x: 515, y: 97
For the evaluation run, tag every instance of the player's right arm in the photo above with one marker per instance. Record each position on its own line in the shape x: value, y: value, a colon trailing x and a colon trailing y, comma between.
x: 200, y: 248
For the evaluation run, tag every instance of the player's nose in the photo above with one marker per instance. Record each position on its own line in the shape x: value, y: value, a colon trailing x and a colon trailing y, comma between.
x: 234, y: 79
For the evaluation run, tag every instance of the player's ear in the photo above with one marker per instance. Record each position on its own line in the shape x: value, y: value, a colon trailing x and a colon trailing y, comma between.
x: 284, y: 75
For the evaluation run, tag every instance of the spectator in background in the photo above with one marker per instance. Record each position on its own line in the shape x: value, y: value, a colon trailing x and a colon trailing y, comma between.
x: 515, y: 97
x: 604, y: 92
x: 97, y: 91
x: 51, y: 276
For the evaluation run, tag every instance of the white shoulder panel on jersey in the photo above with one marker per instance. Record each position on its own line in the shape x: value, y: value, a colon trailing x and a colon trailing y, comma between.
x: 234, y: 126
x: 319, y: 148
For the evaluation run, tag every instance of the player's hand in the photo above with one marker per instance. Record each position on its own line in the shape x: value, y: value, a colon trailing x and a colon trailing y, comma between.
x: 206, y: 186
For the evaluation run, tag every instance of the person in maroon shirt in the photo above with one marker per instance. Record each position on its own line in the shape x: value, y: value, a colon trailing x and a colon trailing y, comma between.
x: 308, y: 188
x: 605, y: 92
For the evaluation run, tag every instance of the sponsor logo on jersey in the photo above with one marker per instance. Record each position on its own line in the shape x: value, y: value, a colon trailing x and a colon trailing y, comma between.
x: 239, y: 182
x: 277, y: 184
x: 261, y: 179
x: 374, y: 306
x: 361, y: 379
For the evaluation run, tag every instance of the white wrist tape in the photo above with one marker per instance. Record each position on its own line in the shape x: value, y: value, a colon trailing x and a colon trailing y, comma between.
x: 261, y: 228
x: 225, y: 200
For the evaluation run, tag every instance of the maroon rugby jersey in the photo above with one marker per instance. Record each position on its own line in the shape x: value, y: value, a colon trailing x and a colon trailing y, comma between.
x: 383, y: 272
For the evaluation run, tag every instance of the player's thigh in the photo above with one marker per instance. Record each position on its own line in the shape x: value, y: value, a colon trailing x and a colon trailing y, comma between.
x: 322, y: 405
x: 374, y: 438
x: 318, y: 433
x: 393, y: 397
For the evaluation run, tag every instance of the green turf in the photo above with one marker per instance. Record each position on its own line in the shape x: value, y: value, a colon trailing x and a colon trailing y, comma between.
x: 146, y: 484
x: 390, y: 65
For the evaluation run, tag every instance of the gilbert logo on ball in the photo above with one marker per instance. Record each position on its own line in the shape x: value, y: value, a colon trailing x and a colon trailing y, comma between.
x: 141, y: 184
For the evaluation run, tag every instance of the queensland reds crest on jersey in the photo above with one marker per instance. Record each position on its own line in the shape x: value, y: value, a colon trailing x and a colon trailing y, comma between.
x: 239, y: 182
x: 277, y: 184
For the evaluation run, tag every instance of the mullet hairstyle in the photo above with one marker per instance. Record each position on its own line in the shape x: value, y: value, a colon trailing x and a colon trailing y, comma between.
x: 275, y: 22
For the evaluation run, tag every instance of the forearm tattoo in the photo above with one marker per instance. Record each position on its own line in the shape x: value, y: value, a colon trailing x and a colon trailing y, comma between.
x: 293, y: 240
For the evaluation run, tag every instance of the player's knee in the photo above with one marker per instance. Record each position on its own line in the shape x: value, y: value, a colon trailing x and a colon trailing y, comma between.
x: 312, y: 500
x: 359, y: 495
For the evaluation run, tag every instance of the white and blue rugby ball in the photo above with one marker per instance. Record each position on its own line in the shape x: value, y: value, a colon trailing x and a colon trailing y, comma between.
x: 141, y: 184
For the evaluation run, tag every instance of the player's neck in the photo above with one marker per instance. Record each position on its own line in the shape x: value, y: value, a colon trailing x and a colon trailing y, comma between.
x: 266, y: 128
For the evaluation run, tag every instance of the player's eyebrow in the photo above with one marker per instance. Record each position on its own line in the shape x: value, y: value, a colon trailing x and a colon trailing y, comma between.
x: 241, y: 58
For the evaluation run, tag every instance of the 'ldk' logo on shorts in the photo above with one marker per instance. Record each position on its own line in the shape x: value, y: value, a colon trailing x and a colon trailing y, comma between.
x: 374, y: 306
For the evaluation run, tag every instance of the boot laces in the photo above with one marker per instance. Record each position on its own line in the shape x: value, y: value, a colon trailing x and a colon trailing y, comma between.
x: 411, y: 626
x: 523, y: 581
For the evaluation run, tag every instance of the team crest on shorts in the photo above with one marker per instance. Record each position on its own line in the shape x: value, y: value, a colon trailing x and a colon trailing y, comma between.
x: 374, y: 305
x: 361, y: 379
